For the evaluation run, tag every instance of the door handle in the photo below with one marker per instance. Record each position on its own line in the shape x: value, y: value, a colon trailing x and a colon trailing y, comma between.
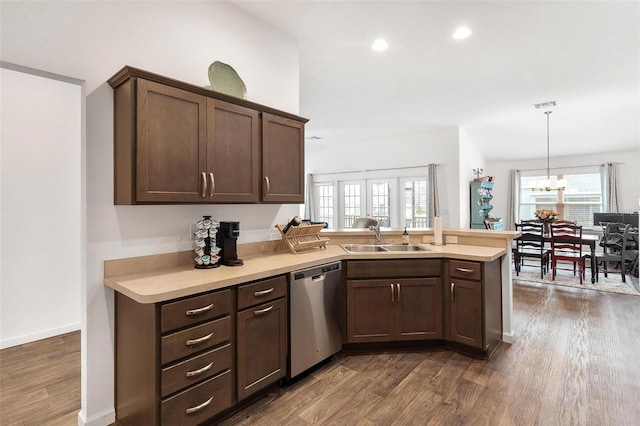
x: 263, y: 311
x: 392, y: 295
x: 213, y: 185
x: 268, y: 186
x: 398, y: 291
x: 204, y: 184
x: 453, y: 292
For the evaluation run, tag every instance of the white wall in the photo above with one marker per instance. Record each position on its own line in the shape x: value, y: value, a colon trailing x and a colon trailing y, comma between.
x: 41, y: 206
x: 470, y: 158
x: 402, y: 150
x: 93, y: 40
x: 629, y: 175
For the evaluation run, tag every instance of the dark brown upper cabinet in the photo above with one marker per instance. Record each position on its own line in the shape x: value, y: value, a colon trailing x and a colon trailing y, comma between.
x: 179, y: 143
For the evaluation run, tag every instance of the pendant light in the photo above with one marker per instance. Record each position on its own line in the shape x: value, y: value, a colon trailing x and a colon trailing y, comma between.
x: 545, y: 184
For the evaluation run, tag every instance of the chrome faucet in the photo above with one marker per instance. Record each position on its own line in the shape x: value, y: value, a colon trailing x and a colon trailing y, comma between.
x: 376, y: 230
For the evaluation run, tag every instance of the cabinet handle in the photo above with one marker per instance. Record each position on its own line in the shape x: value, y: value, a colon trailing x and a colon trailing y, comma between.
x: 199, y: 340
x: 398, y: 291
x: 391, y: 285
x: 263, y: 292
x: 198, y: 407
x: 213, y: 185
x: 266, y: 179
x: 197, y: 311
x: 465, y: 270
x: 262, y: 311
x: 200, y: 371
x: 204, y: 184
x: 453, y: 292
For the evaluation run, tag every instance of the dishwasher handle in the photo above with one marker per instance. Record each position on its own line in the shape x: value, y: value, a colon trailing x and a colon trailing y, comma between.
x: 318, y: 278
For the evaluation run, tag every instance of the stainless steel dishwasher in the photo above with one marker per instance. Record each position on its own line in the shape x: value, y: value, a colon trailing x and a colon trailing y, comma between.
x: 314, y: 308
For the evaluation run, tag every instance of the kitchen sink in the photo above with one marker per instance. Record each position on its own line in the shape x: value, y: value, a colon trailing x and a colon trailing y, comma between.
x: 383, y: 248
x: 362, y: 248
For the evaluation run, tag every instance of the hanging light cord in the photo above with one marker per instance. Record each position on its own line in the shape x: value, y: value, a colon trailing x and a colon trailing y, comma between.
x: 548, y: 169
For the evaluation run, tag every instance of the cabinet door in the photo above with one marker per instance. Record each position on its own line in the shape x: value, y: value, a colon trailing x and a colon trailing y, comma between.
x: 466, y: 322
x: 282, y: 159
x: 419, y: 313
x: 262, y: 346
x: 233, y: 153
x: 171, y: 143
x: 370, y: 308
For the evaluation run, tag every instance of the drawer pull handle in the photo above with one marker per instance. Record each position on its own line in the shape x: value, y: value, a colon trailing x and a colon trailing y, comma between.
x: 204, y: 184
x: 197, y: 311
x: 200, y: 371
x: 199, y: 340
x: 465, y: 270
x: 263, y: 311
x: 263, y: 292
x: 198, y: 407
x: 453, y: 292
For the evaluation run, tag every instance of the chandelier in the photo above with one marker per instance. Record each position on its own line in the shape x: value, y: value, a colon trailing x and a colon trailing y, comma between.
x: 545, y: 184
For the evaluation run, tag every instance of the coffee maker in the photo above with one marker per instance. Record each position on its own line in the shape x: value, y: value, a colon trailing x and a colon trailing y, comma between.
x: 226, y: 239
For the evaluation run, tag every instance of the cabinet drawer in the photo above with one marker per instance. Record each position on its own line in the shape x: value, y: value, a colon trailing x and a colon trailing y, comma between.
x: 195, y: 369
x: 194, y: 310
x: 261, y: 291
x: 195, y: 339
x: 199, y: 403
x: 465, y: 269
x: 393, y: 268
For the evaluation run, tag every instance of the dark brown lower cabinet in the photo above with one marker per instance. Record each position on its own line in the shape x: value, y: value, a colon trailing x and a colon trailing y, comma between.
x: 175, y: 360
x: 405, y: 303
x: 473, y: 304
x: 261, y: 338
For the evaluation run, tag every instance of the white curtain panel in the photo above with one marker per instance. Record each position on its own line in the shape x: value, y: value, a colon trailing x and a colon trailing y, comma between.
x: 310, y: 199
x: 611, y: 187
x: 434, y: 203
x: 513, y: 200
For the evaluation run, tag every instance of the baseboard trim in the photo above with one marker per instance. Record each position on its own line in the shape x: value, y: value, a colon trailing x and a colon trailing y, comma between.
x: 106, y: 418
x: 508, y: 337
x: 39, y: 335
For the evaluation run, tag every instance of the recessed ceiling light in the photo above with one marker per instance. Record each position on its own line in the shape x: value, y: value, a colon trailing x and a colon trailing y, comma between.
x: 462, y: 32
x: 379, y: 45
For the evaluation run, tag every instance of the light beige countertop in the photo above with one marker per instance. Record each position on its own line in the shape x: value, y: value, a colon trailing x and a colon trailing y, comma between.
x: 182, y: 279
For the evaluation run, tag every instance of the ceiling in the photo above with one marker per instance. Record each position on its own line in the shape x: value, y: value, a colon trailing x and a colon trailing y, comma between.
x: 585, y: 55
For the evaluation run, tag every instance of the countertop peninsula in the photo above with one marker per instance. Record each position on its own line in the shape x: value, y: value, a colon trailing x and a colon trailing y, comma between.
x: 162, y: 284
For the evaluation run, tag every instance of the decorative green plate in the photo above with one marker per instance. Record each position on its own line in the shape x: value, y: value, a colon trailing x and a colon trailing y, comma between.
x: 225, y: 79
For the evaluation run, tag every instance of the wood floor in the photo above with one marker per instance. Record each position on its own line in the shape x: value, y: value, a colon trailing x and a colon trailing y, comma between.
x: 576, y: 361
x: 40, y: 382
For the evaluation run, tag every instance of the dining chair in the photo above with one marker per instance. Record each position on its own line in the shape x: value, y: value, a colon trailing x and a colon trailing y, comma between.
x: 566, y: 246
x: 531, y: 245
x: 615, y: 242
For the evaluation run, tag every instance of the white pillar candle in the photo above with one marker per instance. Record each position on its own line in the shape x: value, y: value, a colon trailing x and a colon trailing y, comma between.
x: 437, y: 231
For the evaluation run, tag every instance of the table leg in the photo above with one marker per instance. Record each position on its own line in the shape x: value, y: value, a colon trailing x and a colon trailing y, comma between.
x: 592, y: 245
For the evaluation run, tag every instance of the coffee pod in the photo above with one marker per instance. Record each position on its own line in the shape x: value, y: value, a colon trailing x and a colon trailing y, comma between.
x: 198, y: 260
x: 206, y: 259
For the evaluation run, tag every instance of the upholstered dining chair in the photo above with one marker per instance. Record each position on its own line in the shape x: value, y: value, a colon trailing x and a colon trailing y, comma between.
x: 531, y: 245
x: 566, y: 246
x: 616, y: 241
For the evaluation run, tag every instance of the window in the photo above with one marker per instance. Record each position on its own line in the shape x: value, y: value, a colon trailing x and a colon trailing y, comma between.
x: 395, y: 202
x: 415, y: 203
x: 324, y: 202
x: 578, y: 201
